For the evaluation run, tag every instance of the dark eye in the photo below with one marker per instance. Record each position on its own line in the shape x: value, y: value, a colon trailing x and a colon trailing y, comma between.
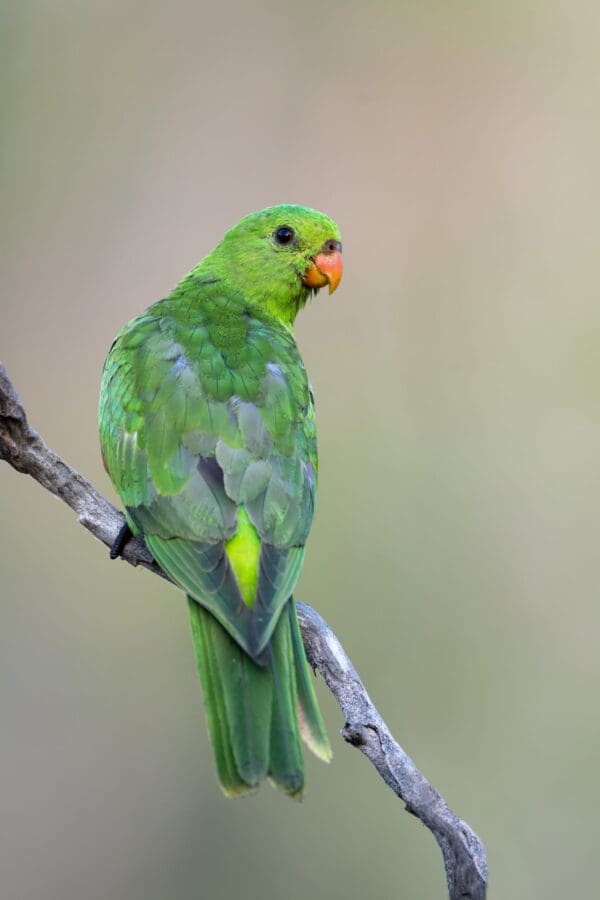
x: 284, y: 235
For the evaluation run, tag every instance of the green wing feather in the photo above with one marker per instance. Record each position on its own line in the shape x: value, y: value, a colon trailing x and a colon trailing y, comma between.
x: 191, y: 431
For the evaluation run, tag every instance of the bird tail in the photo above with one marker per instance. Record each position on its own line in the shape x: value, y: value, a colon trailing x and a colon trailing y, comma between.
x: 257, y: 714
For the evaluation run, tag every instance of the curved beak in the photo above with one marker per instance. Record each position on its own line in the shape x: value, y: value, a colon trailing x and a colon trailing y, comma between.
x: 326, y: 268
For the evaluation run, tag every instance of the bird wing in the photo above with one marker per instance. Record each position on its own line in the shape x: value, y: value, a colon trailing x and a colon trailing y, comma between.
x: 200, y: 421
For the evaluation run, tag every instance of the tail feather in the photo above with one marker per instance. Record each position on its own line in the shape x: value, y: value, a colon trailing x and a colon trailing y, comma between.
x: 233, y: 785
x: 248, y: 706
x: 257, y: 714
x: 312, y: 727
x: 286, y: 765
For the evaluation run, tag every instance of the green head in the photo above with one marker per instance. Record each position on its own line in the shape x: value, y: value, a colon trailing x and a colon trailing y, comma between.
x: 276, y: 256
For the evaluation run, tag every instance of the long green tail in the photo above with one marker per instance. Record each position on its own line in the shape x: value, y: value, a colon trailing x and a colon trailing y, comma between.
x: 257, y: 715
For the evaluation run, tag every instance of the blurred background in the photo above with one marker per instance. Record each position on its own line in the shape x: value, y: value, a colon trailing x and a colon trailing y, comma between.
x: 457, y: 376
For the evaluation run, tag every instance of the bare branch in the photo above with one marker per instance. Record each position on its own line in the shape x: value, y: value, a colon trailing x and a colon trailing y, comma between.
x: 463, y: 852
x: 464, y: 856
x: 25, y: 451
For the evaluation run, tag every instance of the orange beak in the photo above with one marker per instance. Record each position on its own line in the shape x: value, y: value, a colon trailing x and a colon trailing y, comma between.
x: 326, y: 269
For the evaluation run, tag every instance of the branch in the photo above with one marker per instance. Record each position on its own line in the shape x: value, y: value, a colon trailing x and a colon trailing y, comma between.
x: 464, y: 855
x: 463, y: 852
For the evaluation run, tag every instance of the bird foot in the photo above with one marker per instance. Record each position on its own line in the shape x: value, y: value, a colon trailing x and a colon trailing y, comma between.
x: 120, y: 541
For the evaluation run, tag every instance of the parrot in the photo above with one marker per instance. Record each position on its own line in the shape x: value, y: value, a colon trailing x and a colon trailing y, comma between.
x: 207, y: 431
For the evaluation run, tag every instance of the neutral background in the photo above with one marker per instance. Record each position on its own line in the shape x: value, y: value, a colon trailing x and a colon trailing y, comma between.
x: 457, y: 376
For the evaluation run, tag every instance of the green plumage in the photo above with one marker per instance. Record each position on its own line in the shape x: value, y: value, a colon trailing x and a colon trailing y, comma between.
x: 207, y: 423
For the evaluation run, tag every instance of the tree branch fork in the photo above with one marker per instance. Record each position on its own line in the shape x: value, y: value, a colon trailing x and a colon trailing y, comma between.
x: 464, y: 855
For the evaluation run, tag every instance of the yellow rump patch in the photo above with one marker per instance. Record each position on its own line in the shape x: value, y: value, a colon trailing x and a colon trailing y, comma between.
x: 243, y: 551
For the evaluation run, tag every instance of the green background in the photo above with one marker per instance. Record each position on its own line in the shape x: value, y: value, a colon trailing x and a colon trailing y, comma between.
x: 457, y: 377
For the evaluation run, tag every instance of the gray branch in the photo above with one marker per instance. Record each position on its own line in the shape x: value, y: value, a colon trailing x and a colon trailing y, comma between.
x: 463, y: 852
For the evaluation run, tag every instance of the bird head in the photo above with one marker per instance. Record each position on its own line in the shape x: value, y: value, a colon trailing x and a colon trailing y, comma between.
x: 277, y: 256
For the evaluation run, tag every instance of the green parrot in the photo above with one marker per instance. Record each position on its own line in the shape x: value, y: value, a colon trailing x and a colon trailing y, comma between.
x: 207, y: 429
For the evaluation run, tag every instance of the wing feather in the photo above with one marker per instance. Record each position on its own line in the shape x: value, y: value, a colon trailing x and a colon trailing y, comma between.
x: 192, y: 429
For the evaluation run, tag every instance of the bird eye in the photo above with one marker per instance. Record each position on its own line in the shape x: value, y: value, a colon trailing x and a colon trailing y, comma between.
x: 284, y: 235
